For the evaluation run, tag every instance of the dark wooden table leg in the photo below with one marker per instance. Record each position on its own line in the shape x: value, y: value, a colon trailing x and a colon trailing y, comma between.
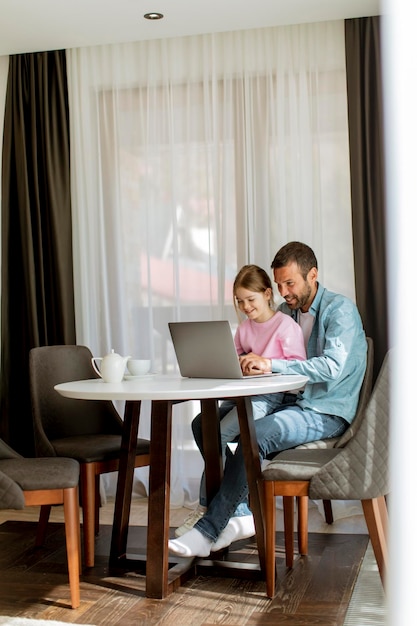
x: 159, y: 491
x: 253, y: 471
x: 210, y: 425
x: 125, y: 482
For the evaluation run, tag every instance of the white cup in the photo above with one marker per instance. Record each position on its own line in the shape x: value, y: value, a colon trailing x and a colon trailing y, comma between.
x: 138, y: 367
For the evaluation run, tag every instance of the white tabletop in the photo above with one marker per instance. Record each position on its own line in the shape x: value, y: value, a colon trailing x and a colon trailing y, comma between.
x: 166, y: 387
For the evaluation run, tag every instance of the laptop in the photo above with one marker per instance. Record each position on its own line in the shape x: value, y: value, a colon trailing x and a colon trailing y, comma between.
x: 207, y: 350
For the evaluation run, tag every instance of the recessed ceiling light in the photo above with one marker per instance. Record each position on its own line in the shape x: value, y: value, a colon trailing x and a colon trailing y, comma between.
x: 153, y: 16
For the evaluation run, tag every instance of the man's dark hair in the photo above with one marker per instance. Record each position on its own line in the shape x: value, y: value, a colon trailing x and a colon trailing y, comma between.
x: 295, y: 252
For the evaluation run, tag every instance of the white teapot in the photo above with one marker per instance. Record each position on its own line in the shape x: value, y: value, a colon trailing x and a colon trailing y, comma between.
x: 112, y: 367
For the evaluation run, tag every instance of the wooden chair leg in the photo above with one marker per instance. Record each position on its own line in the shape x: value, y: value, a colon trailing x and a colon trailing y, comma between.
x: 72, y: 534
x: 288, y: 503
x: 97, y: 506
x: 42, y: 525
x: 302, y: 527
x: 328, y: 511
x: 376, y: 516
x: 88, y: 503
x: 270, y: 526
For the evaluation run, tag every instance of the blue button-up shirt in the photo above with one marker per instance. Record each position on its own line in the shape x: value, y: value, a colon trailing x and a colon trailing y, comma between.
x: 336, y: 356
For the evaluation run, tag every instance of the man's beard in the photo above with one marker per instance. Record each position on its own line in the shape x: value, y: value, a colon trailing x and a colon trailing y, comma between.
x: 302, y: 300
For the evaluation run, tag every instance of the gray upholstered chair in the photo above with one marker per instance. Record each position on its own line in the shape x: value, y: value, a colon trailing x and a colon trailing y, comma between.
x: 86, y: 430
x: 340, y: 442
x: 38, y: 482
x: 358, y: 471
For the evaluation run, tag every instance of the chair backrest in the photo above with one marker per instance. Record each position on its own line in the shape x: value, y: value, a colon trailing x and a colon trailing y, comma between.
x: 360, y: 470
x: 11, y: 495
x: 57, y: 417
x: 364, y: 396
x: 6, y: 452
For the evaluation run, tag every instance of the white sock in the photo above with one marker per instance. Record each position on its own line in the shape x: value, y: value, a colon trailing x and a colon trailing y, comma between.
x: 192, y: 543
x: 237, y: 528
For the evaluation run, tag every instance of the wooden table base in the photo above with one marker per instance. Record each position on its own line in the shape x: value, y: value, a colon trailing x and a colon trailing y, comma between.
x: 165, y: 573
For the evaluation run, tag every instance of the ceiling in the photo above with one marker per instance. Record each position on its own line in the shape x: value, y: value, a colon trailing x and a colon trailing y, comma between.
x: 37, y: 25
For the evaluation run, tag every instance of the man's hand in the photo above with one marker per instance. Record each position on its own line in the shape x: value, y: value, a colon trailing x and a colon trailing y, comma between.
x: 254, y: 364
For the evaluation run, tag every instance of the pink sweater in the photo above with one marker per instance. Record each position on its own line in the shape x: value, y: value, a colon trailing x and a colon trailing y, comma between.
x: 278, y: 338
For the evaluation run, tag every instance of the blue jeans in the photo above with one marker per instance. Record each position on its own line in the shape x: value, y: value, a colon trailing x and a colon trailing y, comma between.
x: 229, y: 429
x: 286, y: 428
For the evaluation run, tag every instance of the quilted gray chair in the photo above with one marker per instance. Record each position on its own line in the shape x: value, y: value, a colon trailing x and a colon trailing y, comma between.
x: 358, y: 471
x: 86, y: 430
x: 38, y: 482
x: 340, y: 442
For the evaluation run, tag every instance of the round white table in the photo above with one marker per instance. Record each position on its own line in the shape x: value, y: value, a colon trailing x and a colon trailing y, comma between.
x: 166, y: 387
x: 164, y: 391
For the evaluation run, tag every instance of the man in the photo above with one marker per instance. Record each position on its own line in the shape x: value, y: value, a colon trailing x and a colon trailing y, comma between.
x: 335, y: 367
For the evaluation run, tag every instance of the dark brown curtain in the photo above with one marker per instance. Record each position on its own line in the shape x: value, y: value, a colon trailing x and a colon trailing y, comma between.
x: 366, y: 139
x: 37, y: 302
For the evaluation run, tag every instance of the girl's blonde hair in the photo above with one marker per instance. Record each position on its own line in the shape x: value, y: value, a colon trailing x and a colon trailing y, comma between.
x: 253, y: 278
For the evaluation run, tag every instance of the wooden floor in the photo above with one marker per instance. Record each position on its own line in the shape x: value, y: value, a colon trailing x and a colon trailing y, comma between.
x: 33, y: 583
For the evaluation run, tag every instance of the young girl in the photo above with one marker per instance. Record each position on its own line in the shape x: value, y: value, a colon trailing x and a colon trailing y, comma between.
x: 265, y: 332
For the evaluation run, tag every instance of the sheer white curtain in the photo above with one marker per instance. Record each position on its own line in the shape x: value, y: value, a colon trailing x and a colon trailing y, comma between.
x: 190, y: 157
x: 4, y: 71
